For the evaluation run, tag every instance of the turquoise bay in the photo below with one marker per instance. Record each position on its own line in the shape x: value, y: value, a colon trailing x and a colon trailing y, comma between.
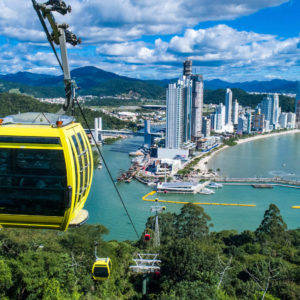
x: 275, y: 156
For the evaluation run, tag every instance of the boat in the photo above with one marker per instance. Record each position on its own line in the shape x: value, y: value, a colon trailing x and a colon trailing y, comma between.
x: 206, y: 191
x: 178, y: 187
x: 99, y: 166
x: 215, y: 185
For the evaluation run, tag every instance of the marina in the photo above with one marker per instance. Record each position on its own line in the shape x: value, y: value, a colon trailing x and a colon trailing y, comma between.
x: 103, y: 202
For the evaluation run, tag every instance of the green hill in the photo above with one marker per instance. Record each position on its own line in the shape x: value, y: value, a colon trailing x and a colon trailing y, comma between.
x: 14, y: 103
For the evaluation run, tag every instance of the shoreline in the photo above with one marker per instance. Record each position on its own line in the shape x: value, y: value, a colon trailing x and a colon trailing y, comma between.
x: 202, y: 163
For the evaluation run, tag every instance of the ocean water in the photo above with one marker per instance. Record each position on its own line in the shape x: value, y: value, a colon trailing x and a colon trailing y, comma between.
x: 273, y: 156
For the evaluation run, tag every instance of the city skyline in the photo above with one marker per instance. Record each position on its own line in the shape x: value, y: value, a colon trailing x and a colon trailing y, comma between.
x: 235, y: 41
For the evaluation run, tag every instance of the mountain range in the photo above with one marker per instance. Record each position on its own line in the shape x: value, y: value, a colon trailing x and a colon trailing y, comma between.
x: 94, y: 81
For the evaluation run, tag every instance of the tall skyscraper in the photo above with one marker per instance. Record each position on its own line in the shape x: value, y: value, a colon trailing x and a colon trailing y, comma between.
x: 297, y: 106
x: 184, y: 109
x: 266, y: 108
x: 179, y: 100
x: 197, y: 105
x: 270, y: 108
x: 276, y: 110
x: 220, y: 117
x: 235, y: 112
x: 228, y: 105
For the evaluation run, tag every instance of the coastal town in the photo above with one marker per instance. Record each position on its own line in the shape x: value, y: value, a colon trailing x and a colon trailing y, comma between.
x: 174, y: 158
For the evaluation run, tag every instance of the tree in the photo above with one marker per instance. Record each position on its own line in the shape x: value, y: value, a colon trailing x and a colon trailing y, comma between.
x: 187, y: 260
x: 272, y: 226
x: 192, y: 222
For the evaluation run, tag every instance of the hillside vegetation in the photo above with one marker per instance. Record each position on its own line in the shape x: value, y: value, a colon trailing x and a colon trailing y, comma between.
x: 14, y: 103
x: 196, y: 263
x: 97, y: 82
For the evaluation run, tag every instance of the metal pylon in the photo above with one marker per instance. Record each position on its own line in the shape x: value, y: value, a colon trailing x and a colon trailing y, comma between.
x: 146, y: 263
x: 157, y: 209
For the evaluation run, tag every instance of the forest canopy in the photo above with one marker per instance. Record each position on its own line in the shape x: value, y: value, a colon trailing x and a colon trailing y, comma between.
x: 196, y: 263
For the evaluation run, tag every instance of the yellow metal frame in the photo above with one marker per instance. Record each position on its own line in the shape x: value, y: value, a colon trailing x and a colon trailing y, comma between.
x: 102, y: 262
x: 65, y: 134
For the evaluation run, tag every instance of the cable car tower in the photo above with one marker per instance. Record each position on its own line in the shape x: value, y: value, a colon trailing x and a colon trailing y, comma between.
x: 147, y: 263
x: 157, y: 209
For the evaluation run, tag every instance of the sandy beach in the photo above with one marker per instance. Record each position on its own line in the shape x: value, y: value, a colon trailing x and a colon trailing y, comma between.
x: 202, y: 165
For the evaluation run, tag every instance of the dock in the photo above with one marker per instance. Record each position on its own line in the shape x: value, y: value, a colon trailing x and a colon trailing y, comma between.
x: 272, y: 181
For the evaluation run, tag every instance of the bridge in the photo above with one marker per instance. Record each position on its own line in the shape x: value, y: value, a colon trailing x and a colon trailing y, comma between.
x: 123, y: 132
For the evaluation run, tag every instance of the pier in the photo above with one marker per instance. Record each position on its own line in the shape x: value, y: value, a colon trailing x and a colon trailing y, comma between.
x: 274, y: 181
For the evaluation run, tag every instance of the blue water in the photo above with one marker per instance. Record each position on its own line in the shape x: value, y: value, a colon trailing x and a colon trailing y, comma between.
x: 257, y: 158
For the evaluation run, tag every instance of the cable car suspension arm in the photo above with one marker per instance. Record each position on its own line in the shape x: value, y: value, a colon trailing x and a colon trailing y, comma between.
x: 60, y: 36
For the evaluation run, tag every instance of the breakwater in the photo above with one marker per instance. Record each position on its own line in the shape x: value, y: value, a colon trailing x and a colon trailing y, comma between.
x: 249, y: 181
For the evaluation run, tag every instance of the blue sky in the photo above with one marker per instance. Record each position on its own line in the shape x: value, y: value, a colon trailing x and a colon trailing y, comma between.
x: 233, y: 40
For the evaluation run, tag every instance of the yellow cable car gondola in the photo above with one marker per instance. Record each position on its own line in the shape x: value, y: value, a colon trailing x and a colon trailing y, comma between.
x: 46, y: 173
x: 102, y: 268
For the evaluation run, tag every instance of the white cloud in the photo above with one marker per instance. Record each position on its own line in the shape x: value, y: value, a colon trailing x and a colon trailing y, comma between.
x: 111, y: 32
x: 122, y: 20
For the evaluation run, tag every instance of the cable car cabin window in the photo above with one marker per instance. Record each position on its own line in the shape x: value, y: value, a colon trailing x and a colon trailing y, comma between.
x: 85, y: 159
x: 82, y: 158
x: 90, y: 157
x: 32, y: 182
x: 30, y: 140
x: 80, y: 163
x: 76, y: 169
x: 101, y: 271
x: 109, y: 265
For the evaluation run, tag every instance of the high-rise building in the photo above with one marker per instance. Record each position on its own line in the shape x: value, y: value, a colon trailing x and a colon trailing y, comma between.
x: 228, y: 105
x: 220, y: 117
x: 276, y: 110
x: 258, y: 122
x: 249, y: 119
x: 266, y: 107
x: 206, y: 126
x: 235, y: 112
x: 283, y: 120
x: 184, y: 109
x: 291, y: 120
x: 270, y: 108
x: 197, y: 105
x: 179, y: 114
x: 297, y: 106
x: 242, y: 124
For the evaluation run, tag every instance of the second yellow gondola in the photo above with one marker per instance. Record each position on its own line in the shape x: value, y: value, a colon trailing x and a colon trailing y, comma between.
x: 46, y: 170
x: 102, y: 268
